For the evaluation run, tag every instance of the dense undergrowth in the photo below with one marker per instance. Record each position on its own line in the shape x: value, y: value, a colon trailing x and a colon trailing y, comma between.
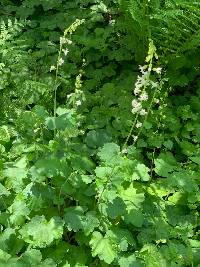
x: 99, y: 133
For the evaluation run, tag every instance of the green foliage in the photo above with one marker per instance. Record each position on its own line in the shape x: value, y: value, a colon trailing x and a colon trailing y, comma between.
x: 173, y: 25
x: 71, y: 193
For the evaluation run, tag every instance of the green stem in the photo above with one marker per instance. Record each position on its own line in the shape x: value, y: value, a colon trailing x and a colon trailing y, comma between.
x: 56, y: 86
x: 131, y: 130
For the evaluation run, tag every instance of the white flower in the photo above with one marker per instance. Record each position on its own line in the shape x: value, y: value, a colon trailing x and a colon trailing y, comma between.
x: 68, y: 41
x: 143, y: 97
x: 68, y: 96
x: 124, y: 151
x: 138, y: 124
x: 136, y: 106
x: 62, y: 40
x: 157, y: 70
x: 140, y: 79
x: 154, y: 84
x: 142, y: 68
x: 65, y: 51
x: 52, y: 68
x: 134, y: 110
x: 60, y: 62
x: 78, y: 102
x: 135, y: 138
x: 143, y: 112
x: 137, y: 88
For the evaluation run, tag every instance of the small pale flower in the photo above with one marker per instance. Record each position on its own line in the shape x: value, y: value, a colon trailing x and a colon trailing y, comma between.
x: 135, y: 138
x: 157, y: 70
x: 138, y: 124
x: 143, y: 112
x: 52, y: 68
x: 136, y: 104
x: 143, y: 97
x: 154, y: 84
x: 124, y: 151
x: 139, y: 79
x: 134, y: 110
x: 144, y: 80
x: 62, y: 40
x: 68, y: 41
x: 137, y: 90
x: 65, y: 51
x: 68, y: 96
x: 78, y: 102
x: 60, y: 62
x: 142, y: 68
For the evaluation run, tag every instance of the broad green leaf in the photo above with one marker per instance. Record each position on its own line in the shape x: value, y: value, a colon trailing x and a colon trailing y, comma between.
x: 2, y: 149
x: 168, y: 144
x: 120, y: 238
x: 82, y: 163
x: 41, y: 233
x: 47, y: 263
x: 62, y: 122
x: 165, y: 164
x: 102, y: 247
x: 4, y: 255
x: 129, y: 261
x: 3, y: 191
x: 110, y: 153
x: 134, y: 217
x: 97, y: 138
x: 195, y: 244
x: 16, y: 174
x: 183, y: 180
x: 40, y: 112
x: 32, y: 257
x: 196, y: 160
x: 10, y: 241
x: 51, y: 167
x: 115, y: 208
x: 153, y: 258
x: 4, y: 134
x: 188, y: 148
x: 19, y: 210
x: 103, y: 172
x: 141, y: 172
x: 76, y: 220
x: 131, y: 197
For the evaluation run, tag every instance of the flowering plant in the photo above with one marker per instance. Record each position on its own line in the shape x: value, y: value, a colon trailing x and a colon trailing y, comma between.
x: 142, y: 85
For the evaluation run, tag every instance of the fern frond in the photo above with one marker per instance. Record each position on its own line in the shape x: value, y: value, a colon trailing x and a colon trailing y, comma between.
x: 173, y: 25
x: 9, y: 29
